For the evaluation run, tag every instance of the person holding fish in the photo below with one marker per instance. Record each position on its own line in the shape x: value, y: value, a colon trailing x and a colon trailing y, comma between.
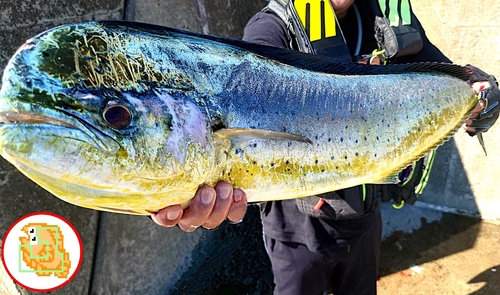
x: 131, y: 118
x: 331, y: 242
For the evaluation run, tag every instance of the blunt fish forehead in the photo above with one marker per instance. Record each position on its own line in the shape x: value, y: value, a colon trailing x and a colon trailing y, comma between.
x: 91, y: 55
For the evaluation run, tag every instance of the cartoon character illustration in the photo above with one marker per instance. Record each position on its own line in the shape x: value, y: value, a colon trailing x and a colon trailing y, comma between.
x: 42, y: 250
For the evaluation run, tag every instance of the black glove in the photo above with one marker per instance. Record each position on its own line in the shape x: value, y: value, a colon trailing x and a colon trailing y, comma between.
x: 491, y: 96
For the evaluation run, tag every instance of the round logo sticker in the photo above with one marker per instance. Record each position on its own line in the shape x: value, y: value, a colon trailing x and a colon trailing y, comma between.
x: 42, y: 251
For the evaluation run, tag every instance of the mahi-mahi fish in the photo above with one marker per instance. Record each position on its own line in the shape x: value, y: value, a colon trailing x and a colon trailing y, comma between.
x: 130, y: 117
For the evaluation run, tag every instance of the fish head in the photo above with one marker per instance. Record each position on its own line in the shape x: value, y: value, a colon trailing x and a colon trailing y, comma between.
x: 94, y: 141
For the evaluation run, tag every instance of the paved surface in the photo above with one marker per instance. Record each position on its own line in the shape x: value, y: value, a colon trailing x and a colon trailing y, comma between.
x: 447, y: 254
x: 425, y: 251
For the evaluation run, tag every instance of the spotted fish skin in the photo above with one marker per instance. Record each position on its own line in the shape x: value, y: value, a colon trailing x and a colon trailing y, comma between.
x: 276, y: 123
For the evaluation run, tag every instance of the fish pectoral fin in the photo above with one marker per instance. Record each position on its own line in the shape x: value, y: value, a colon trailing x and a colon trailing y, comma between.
x: 239, y: 135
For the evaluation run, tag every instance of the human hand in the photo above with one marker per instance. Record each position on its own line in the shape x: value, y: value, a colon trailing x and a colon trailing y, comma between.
x: 486, y: 112
x: 209, y: 208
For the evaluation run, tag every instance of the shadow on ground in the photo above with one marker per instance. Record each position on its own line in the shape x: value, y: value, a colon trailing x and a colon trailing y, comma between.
x: 455, y: 255
x: 491, y: 278
x: 432, y: 241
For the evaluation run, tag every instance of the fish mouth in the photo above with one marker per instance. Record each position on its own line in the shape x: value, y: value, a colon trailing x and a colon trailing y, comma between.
x: 18, y: 117
x: 101, y: 140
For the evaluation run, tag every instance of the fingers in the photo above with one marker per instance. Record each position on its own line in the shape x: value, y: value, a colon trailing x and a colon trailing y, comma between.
x: 168, y: 216
x: 230, y: 204
x: 222, y: 205
x: 480, y: 106
x: 239, y: 206
x: 199, y: 209
x: 486, y: 86
x: 209, y: 208
x: 480, y: 86
x: 189, y: 219
x: 475, y: 112
x: 477, y: 75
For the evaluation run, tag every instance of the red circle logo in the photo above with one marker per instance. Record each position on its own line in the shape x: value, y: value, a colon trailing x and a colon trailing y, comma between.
x: 42, y: 251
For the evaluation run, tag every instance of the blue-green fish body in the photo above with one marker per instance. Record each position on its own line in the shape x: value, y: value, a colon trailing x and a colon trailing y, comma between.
x: 131, y: 118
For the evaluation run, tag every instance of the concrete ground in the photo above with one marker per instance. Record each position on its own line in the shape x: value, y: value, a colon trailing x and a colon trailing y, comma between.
x: 424, y: 251
x: 444, y: 254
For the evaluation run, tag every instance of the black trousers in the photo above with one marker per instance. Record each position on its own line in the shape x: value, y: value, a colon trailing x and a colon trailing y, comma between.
x: 351, y: 269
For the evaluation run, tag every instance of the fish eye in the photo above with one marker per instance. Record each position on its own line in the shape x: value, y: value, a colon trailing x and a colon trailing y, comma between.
x: 117, y: 116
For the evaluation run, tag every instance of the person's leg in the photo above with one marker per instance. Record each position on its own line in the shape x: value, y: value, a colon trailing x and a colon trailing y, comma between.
x: 357, y: 271
x: 296, y: 269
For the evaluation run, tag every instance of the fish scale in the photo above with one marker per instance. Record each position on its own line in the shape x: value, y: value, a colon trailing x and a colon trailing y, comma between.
x: 277, y: 123
x: 372, y: 128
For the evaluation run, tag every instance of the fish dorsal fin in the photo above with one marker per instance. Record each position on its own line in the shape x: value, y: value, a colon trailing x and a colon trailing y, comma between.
x: 317, y: 63
x: 453, y: 70
x: 329, y: 65
x: 241, y: 135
